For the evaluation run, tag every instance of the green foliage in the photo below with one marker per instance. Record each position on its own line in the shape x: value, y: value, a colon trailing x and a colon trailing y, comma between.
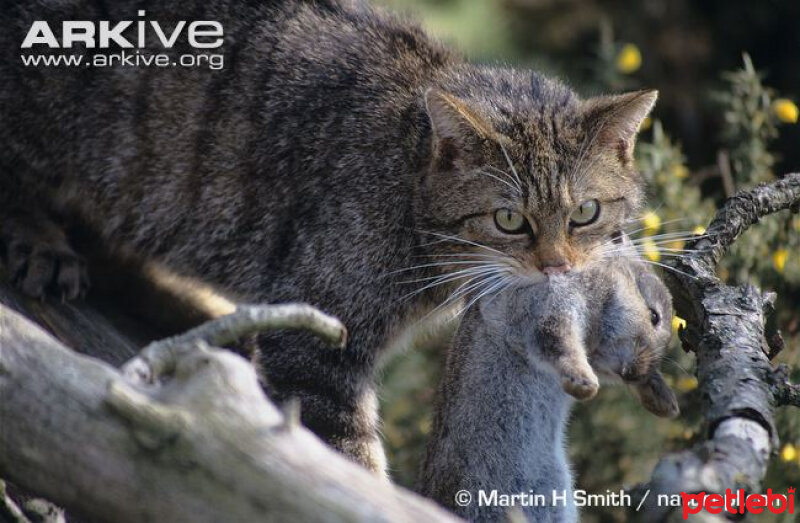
x: 477, y: 28
x: 614, y: 63
x: 407, y: 400
x: 677, y: 202
x: 750, y: 125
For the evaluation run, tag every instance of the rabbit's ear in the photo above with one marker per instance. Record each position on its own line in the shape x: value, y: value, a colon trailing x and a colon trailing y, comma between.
x: 656, y: 396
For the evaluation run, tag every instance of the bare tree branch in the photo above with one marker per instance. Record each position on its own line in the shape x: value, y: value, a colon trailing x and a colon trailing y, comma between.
x: 739, y: 213
x: 736, y: 379
x: 786, y: 393
x: 9, y: 510
x: 161, y: 356
x: 201, y: 444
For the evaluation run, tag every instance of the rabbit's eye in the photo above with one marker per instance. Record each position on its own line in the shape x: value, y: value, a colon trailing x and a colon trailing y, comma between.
x: 655, y: 317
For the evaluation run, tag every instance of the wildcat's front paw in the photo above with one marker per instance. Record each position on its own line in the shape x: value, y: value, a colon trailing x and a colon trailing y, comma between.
x: 39, y: 260
x: 580, y: 383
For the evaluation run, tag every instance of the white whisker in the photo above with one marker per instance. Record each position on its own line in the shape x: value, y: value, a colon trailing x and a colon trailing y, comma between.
x: 462, y: 240
x: 455, y: 275
x: 669, y: 249
x: 642, y: 217
x: 462, y: 290
x: 507, y: 175
x: 640, y: 229
x: 649, y: 241
x: 452, y: 277
x: 511, y: 186
x: 656, y: 239
x: 511, y: 165
x: 673, y: 269
x: 671, y: 235
x: 644, y: 249
x: 490, y: 288
x: 440, y: 264
x: 461, y: 255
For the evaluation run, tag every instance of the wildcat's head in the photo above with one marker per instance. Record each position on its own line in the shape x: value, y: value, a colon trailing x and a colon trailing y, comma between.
x: 527, y: 175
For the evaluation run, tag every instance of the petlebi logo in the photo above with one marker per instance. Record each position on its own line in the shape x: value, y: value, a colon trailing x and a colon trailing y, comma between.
x: 138, y: 43
x: 739, y: 502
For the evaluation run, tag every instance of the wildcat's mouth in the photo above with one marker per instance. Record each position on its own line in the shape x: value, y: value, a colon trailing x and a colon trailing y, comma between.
x: 534, y: 275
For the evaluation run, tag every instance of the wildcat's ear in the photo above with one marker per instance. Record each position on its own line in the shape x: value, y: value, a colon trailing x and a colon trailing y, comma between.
x: 457, y: 128
x: 616, y: 119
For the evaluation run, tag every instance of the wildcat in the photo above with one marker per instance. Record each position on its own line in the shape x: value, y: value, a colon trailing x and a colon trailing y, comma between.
x: 513, y: 439
x: 341, y: 158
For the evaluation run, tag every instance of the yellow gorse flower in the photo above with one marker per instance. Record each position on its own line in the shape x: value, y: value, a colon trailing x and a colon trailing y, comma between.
x: 699, y: 230
x: 789, y: 452
x: 678, y: 323
x: 680, y: 171
x: 779, y: 258
x: 650, y: 250
x: 678, y: 245
x: 425, y: 426
x: 629, y: 59
x: 786, y: 110
x: 686, y: 383
x: 651, y: 222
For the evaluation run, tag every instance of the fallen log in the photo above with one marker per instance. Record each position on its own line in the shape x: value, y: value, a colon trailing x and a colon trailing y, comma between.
x: 185, y: 434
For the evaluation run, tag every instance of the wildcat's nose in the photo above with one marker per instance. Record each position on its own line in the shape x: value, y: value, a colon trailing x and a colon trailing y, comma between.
x: 556, y: 269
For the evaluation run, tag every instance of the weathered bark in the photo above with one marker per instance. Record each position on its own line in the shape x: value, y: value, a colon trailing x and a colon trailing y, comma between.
x: 738, y: 385
x: 186, y: 434
x: 786, y: 393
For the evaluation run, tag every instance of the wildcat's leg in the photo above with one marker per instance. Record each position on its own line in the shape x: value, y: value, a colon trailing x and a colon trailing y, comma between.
x: 38, y: 256
x: 363, y: 444
x: 335, y: 388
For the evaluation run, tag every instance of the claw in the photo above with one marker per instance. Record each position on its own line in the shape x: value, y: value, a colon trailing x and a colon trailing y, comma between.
x: 39, y: 259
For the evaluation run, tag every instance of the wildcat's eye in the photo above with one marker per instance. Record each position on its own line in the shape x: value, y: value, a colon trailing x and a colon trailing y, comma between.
x: 655, y: 317
x: 510, y: 222
x: 586, y: 213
